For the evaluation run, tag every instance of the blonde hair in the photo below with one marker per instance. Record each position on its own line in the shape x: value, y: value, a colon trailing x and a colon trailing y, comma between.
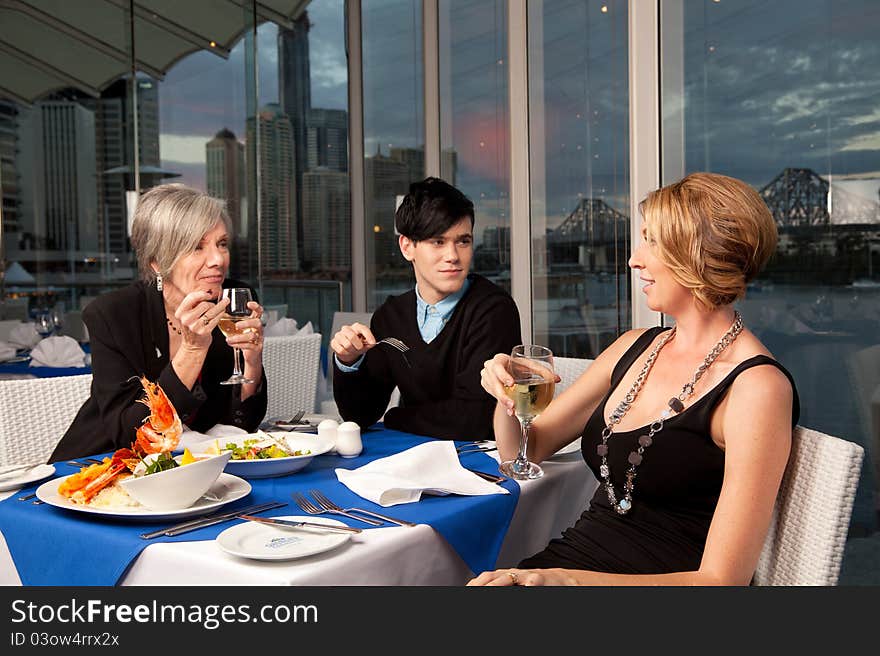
x: 714, y: 232
x: 169, y: 222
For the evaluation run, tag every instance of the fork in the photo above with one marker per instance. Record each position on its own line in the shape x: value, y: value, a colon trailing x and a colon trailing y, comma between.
x: 312, y: 509
x: 325, y: 503
x: 395, y: 343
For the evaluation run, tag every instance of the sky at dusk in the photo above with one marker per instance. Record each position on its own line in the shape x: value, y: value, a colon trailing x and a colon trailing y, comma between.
x: 766, y: 86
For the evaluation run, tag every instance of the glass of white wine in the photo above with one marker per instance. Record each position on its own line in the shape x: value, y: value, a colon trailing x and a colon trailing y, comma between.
x: 236, y: 311
x: 534, y: 382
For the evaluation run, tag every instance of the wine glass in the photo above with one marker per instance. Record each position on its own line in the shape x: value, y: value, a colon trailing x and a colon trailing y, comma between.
x: 57, y: 320
x: 43, y: 324
x: 235, y: 312
x: 534, y: 382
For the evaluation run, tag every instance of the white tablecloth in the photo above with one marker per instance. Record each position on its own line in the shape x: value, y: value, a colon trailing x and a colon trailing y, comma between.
x: 385, y: 556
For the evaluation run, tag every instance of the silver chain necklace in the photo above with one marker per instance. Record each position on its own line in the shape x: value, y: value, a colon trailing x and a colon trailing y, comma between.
x: 676, y: 404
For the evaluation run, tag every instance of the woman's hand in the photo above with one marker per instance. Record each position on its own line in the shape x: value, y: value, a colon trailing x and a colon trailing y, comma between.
x: 250, y: 337
x: 495, y: 376
x: 527, y: 577
x: 198, y: 315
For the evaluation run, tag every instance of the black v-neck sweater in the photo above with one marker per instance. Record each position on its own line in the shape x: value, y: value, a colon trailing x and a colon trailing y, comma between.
x: 440, y: 394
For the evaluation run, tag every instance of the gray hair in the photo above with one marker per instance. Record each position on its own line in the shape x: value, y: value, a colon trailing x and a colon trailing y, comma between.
x: 169, y: 222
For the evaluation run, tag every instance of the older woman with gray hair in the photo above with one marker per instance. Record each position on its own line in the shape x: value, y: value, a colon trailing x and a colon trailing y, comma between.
x: 164, y: 327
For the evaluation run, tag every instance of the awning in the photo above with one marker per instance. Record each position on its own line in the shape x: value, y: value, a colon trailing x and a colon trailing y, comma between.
x: 47, y: 45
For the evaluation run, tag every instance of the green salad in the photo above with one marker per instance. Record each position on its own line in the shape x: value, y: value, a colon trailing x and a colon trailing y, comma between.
x: 257, y: 449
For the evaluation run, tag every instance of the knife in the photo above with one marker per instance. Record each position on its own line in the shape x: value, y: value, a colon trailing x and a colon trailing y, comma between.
x: 210, y: 520
x: 288, y: 522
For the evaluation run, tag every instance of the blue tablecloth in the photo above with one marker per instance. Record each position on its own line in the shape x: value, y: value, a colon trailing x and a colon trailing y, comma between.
x: 19, y: 368
x: 54, y: 546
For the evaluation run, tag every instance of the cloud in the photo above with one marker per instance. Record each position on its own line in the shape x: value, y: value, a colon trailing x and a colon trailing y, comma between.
x: 184, y: 149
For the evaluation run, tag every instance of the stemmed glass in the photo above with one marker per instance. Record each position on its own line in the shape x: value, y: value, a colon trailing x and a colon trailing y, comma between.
x: 534, y: 382
x: 235, y: 312
x: 57, y: 320
x: 43, y: 324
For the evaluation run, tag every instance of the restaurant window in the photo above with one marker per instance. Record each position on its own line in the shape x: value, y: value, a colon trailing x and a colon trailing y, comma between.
x: 783, y: 95
x: 579, y: 173
x: 475, y: 123
x: 304, y: 197
x: 394, y: 141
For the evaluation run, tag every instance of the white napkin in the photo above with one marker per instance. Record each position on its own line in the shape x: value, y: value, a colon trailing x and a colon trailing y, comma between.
x: 7, y: 351
x: 431, y: 468
x: 24, y: 336
x: 308, y: 329
x: 58, y: 351
x: 284, y: 326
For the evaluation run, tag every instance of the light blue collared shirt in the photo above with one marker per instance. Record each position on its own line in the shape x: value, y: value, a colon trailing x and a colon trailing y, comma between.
x: 431, y: 319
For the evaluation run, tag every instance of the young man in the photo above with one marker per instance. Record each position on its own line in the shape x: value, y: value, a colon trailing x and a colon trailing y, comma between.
x: 452, y: 323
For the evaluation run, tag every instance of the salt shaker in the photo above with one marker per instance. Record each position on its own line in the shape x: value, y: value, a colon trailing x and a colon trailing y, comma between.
x: 327, y: 430
x: 348, y: 439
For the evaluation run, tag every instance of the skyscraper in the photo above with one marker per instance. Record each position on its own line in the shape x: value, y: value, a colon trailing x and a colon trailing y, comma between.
x: 10, y: 199
x: 278, y: 226
x: 327, y: 139
x: 326, y: 211
x: 224, y: 156
x: 295, y: 93
x: 58, y: 191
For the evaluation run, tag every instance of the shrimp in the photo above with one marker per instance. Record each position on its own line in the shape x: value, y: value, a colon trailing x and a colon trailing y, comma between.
x: 162, y: 428
x: 82, y: 487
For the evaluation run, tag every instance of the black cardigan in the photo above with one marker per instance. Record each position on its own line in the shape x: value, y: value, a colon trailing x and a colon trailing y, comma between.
x: 440, y: 395
x: 128, y: 333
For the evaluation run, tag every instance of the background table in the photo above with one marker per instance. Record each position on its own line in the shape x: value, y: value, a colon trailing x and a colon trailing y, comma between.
x: 384, y: 556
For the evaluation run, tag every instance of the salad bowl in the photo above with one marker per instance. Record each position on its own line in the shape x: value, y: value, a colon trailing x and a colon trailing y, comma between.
x: 261, y: 455
x: 176, y: 488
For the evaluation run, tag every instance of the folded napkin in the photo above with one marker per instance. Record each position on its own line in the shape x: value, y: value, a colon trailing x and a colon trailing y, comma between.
x: 284, y: 326
x: 431, y: 468
x: 24, y: 336
x: 7, y: 351
x: 58, y: 351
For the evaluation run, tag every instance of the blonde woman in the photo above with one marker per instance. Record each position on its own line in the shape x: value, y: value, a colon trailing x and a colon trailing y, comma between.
x: 688, y: 430
x: 164, y: 327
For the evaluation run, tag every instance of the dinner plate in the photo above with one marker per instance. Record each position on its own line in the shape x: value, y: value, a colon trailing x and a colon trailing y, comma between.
x: 37, y: 473
x: 262, y: 542
x: 226, y: 489
x: 315, y: 444
x: 568, y: 449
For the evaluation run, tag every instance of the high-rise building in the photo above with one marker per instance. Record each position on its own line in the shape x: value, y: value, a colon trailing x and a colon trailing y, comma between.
x: 10, y: 197
x: 114, y: 155
x: 327, y: 139
x: 224, y: 157
x: 386, y: 178
x: 57, y: 163
x: 326, y: 225
x: 278, y: 226
x: 295, y: 93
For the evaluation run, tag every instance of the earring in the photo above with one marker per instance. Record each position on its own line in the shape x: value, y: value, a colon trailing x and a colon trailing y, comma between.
x: 158, y: 282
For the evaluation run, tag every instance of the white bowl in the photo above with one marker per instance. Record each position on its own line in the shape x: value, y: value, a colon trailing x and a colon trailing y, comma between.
x: 316, y: 445
x: 176, y: 488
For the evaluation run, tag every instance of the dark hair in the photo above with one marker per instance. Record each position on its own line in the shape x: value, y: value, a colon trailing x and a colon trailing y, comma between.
x: 431, y: 207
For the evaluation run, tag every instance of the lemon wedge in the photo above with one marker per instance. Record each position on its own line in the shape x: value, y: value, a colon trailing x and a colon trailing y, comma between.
x: 187, y: 457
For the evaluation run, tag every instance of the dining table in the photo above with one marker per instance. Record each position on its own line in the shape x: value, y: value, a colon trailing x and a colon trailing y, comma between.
x: 454, y: 537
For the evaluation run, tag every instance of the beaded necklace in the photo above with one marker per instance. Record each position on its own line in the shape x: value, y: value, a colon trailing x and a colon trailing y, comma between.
x: 676, y: 404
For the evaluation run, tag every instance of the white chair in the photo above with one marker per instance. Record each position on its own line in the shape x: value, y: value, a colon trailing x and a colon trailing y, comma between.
x: 36, y: 413
x: 807, y: 535
x: 569, y: 369
x: 291, y: 363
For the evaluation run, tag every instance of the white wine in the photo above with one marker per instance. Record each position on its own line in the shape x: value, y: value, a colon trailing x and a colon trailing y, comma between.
x: 530, y: 396
x: 229, y: 325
